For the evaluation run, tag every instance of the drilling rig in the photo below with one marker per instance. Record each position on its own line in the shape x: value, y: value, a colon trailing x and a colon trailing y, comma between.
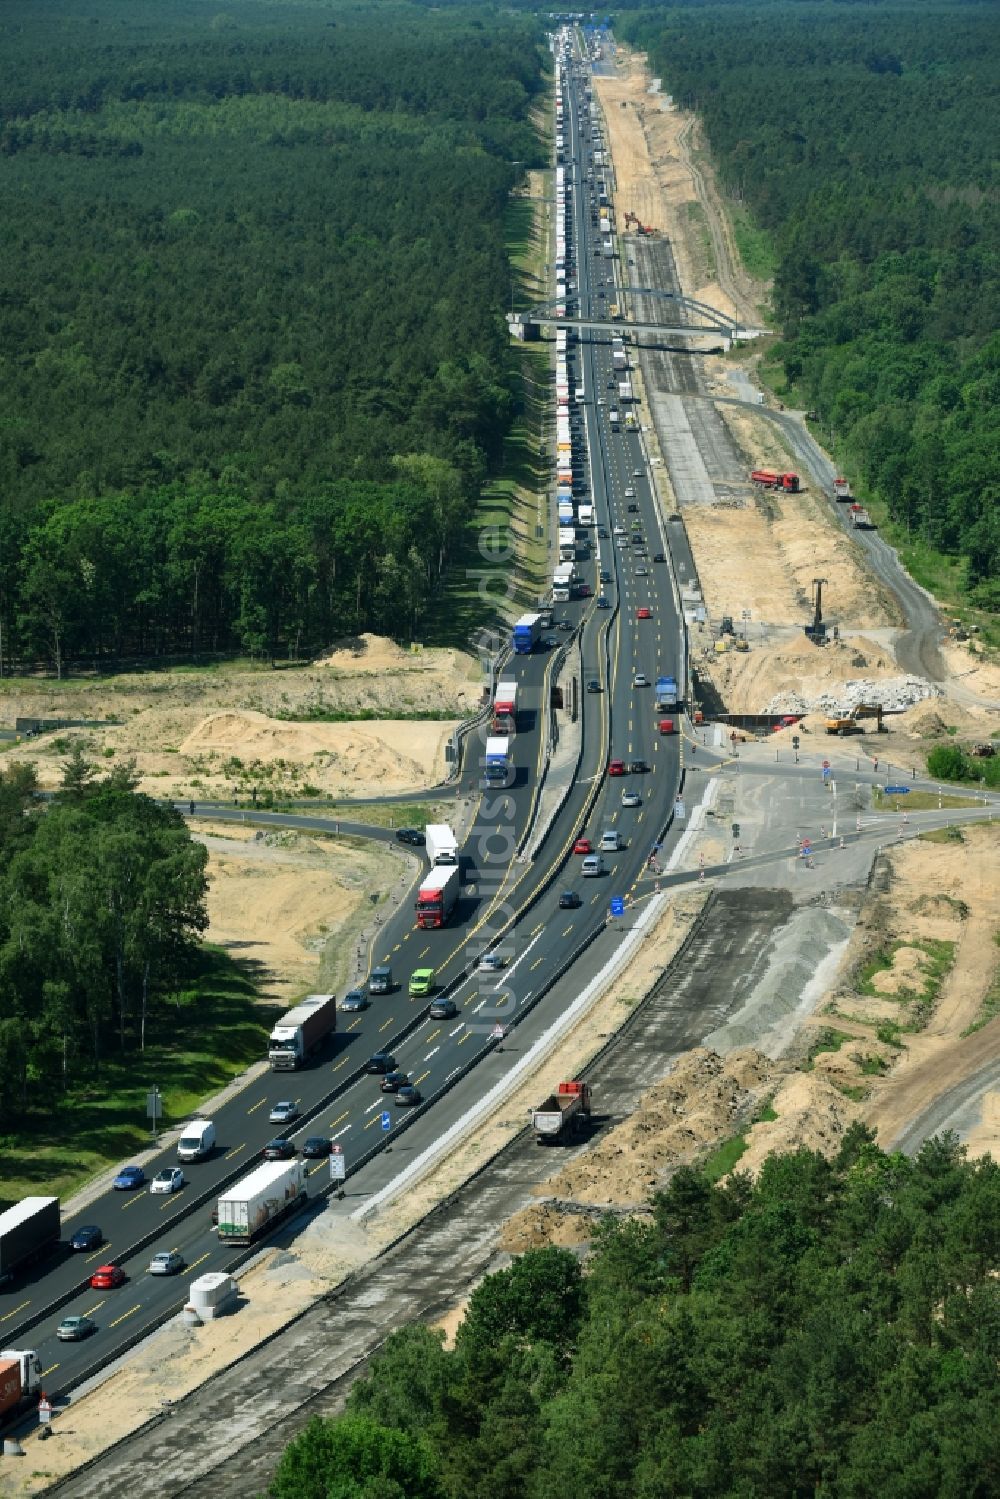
x: 816, y: 631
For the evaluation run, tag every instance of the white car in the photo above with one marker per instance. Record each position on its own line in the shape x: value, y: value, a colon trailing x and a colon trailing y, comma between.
x: 283, y: 1113
x: 639, y: 680
x: 490, y: 962
x: 619, y: 530
x: 631, y: 799
x: 170, y: 1179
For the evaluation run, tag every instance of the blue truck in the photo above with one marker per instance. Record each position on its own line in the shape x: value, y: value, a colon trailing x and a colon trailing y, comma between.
x: 666, y: 692
x: 527, y: 633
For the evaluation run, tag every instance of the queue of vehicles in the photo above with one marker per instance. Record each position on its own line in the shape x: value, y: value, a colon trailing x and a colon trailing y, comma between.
x: 249, y: 1209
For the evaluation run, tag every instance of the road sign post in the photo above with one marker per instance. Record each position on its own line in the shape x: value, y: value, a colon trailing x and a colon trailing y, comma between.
x: 338, y: 1166
x: 386, y: 1119
x: 617, y: 905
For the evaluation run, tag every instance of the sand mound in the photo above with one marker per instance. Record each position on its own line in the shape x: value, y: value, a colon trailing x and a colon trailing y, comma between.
x: 704, y: 1100
x: 388, y: 755
x: 372, y: 653
x: 542, y: 1224
x: 812, y: 1113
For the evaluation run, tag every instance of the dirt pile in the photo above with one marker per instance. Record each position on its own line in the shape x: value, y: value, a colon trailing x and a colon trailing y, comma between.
x: 792, y: 675
x: 366, y: 758
x: 813, y: 1114
x: 202, y: 732
x: 706, y: 1099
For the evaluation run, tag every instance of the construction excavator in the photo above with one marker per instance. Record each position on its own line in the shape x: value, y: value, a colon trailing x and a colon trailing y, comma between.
x: 632, y: 222
x: 850, y: 723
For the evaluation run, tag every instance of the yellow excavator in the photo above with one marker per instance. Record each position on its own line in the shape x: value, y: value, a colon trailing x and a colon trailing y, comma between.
x: 850, y: 723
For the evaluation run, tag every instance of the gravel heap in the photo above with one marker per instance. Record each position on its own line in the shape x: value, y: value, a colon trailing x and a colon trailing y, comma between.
x: 894, y: 693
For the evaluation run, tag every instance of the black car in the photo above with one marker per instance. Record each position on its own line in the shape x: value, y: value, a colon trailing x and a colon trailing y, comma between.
x: 633, y: 508
x: 316, y: 1147
x: 411, y: 836
x: 89, y: 1236
x: 566, y: 624
x: 393, y: 1081
x: 382, y: 1061
x: 279, y: 1150
x: 602, y: 532
x: 443, y: 1009
x: 638, y: 768
x: 659, y: 557
x: 605, y: 575
x: 408, y: 1096
x: 569, y: 900
x: 593, y: 685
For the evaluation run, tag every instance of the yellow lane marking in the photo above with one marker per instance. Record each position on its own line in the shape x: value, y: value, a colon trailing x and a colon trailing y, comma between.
x: 131, y: 1312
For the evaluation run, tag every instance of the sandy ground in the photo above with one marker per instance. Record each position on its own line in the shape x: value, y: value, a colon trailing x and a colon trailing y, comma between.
x: 277, y: 901
x: 947, y: 891
x: 202, y: 733
x: 756, y: 552
x: 661, y: 176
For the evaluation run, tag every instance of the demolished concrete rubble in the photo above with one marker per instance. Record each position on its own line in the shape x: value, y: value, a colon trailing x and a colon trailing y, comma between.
x: 894, y: 694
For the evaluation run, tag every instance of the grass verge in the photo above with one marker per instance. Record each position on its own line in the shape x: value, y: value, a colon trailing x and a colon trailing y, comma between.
x: 990, y: 1007
x: 196, y: 1044
x: 920, y: 801
x: 722, y: 1160
x: 755, y: 245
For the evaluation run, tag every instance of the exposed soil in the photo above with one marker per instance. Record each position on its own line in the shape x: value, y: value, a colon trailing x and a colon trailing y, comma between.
x: 279, y: 900
x: 201, y: 733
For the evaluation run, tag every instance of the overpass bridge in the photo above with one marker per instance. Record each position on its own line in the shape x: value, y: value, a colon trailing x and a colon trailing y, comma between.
x: 694, y: 320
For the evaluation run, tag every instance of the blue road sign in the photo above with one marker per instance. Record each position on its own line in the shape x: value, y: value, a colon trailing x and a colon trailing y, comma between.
x: 897, y: 791
x: 617, y: 905
x: 386, y: 1119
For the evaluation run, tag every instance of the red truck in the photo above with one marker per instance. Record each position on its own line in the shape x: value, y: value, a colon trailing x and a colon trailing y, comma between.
x: 768, y: 478
x: 437, y: 895
x: 667, y: 726
x: 505, y: 708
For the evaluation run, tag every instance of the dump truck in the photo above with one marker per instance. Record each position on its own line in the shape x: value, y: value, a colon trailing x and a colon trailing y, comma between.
x: 441, y: 844
x: 860, y: 518
x: 768, y: 478
x: 301, y: 1031
x: 254, y: 1205
x: 842, y: 490
x: 28, y: 1232
x: 562, y: 1113
x: 437, y: 896
x: 20, y: 1380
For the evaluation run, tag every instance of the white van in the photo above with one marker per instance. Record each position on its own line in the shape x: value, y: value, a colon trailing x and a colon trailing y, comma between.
x: 611, y: 841
x: 593, y: 865
x: 197, y: 1141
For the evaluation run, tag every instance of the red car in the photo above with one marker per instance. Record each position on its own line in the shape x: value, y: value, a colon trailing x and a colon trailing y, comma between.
x: 583, y: 846
x: 616, y: 768
x: 108, y: 1277
x: 644, y: 613
x: 666, y: 726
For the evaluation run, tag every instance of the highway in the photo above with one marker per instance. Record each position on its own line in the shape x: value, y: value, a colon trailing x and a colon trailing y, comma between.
x: 501, y: 896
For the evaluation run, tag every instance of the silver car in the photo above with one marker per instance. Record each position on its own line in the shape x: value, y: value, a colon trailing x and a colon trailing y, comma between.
x: 283, y: 1113
x: 167, y: 1262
